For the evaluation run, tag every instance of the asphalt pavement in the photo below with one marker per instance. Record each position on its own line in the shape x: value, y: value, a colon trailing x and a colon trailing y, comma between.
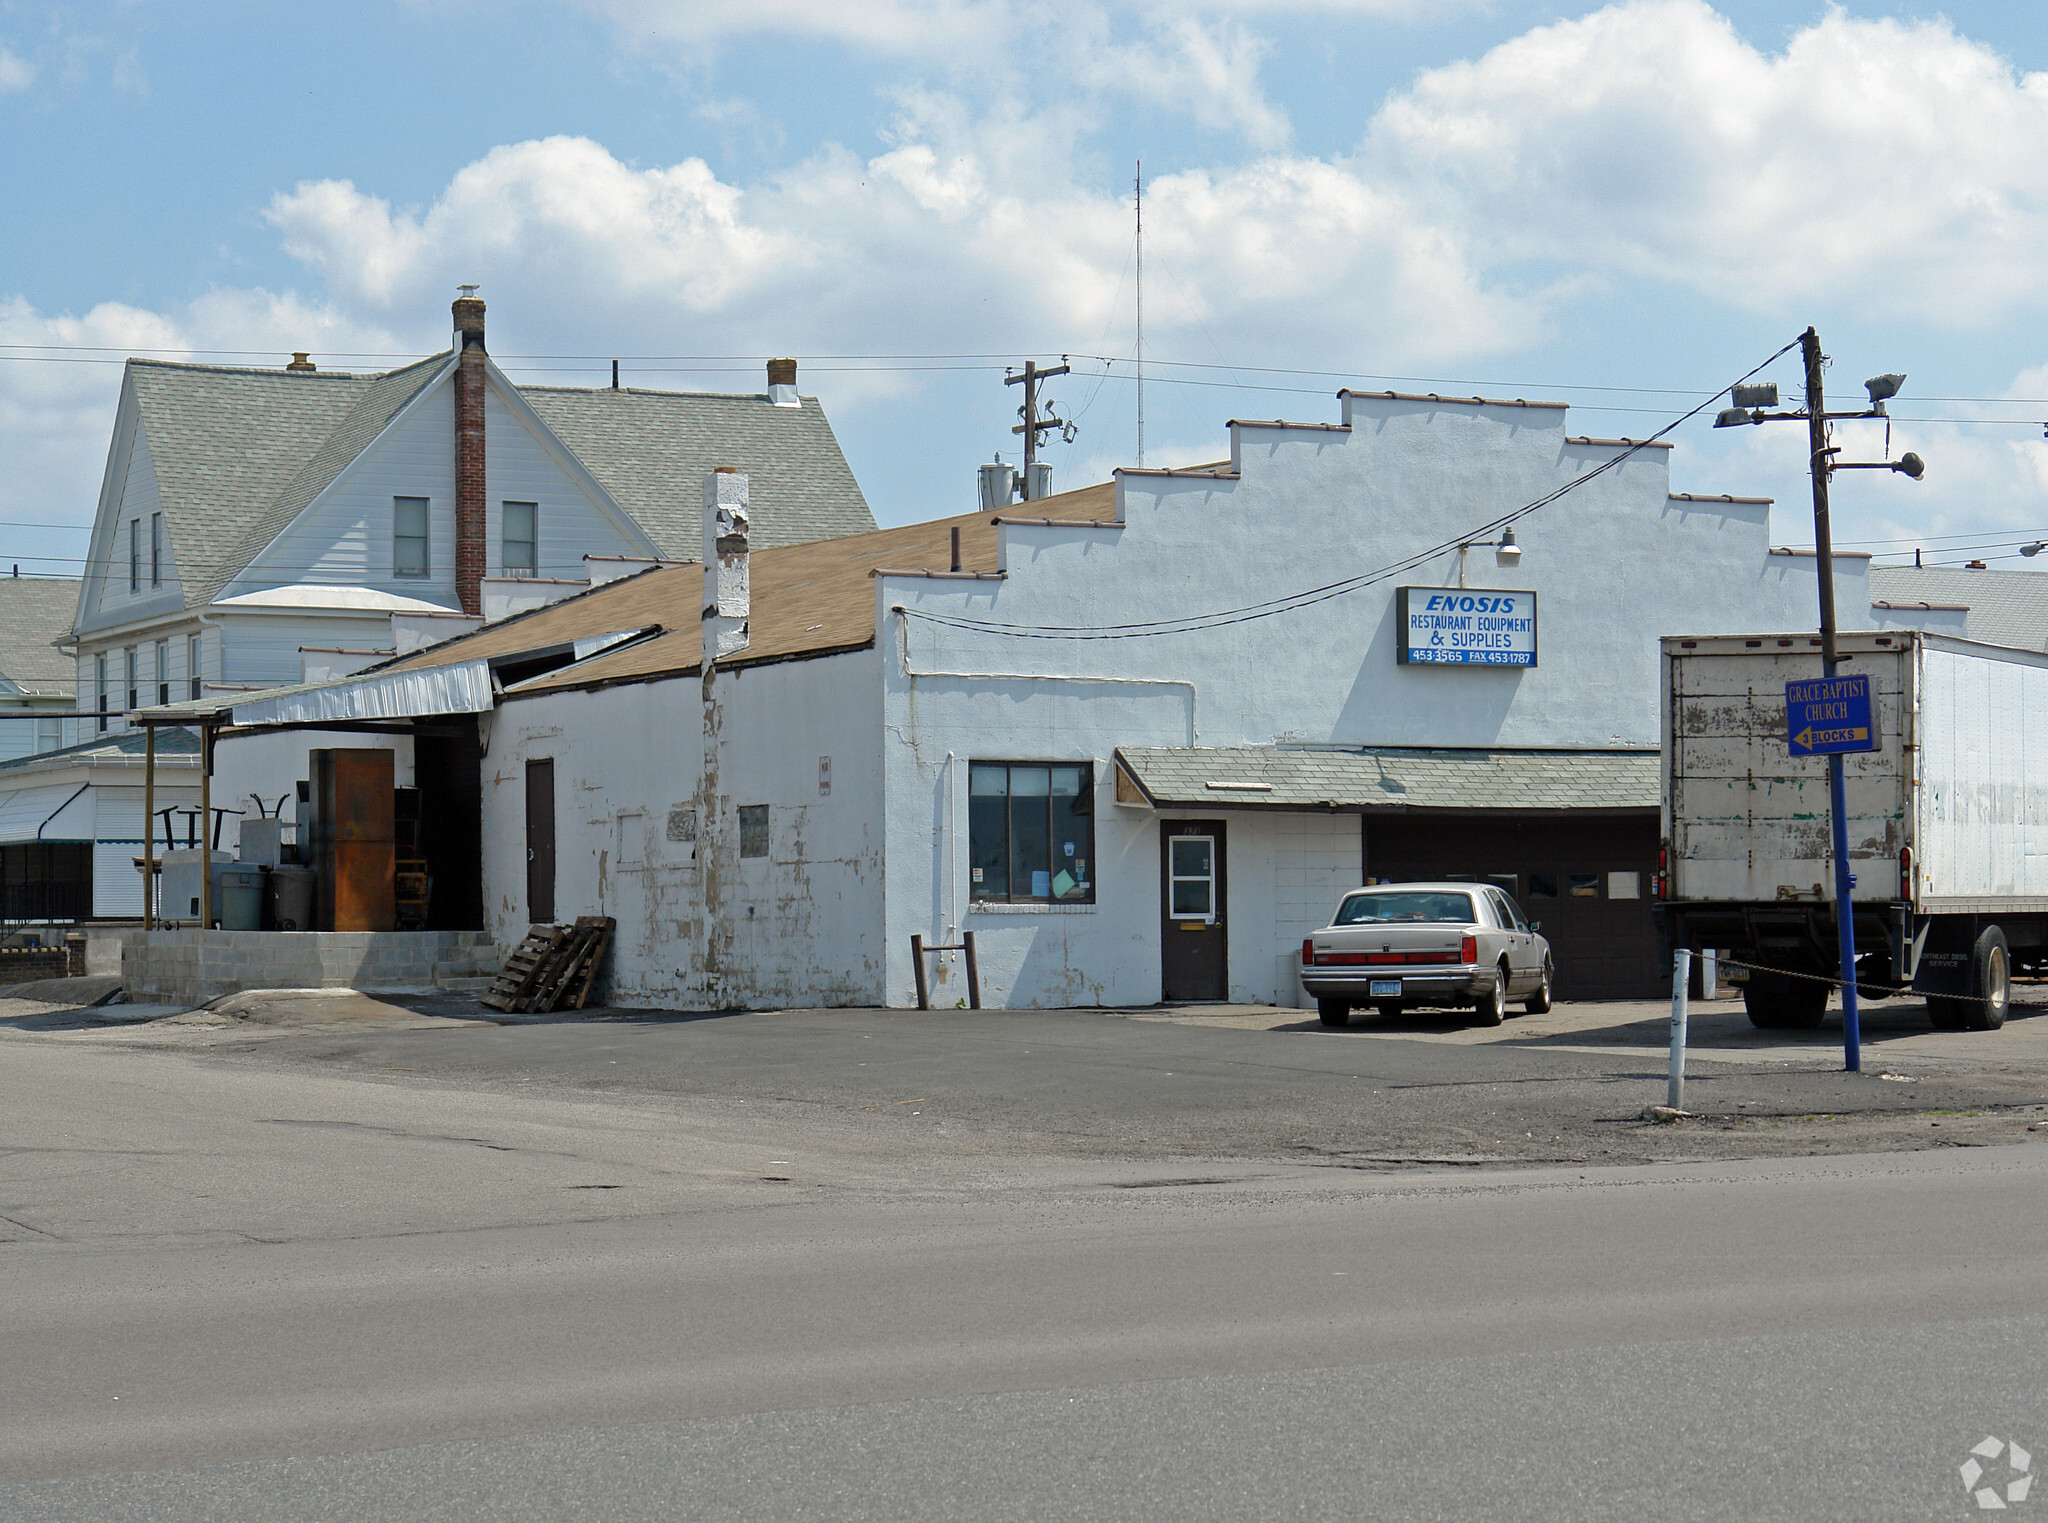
x: 334, y: 1257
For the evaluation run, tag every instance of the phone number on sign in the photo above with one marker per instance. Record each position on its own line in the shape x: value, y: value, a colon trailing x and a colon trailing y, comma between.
x: 1425, y: 656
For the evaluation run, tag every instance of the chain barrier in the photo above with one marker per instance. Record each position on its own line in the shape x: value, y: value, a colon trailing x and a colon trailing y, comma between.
x: 1836, y: 983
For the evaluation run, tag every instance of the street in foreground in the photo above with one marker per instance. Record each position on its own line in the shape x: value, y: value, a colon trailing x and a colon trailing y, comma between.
x: 337, y: 1259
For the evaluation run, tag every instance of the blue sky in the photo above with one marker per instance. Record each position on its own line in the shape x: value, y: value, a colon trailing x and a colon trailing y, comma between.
x: 1555, y: 200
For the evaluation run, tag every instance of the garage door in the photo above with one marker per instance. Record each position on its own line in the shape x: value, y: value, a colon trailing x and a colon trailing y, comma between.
x: 1587, y: 878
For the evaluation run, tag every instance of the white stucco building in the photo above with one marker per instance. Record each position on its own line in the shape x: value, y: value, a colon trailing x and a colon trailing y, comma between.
x: 1136, y: 738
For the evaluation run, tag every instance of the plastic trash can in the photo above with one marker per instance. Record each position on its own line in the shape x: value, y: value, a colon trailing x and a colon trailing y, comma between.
x: 291, y: 897
x: 239, y: 897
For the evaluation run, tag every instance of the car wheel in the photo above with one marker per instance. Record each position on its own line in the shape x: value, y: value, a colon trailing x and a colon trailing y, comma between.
x: 1334, y: 1012
x: 1538, y: 1002
x: 1492, y: 1005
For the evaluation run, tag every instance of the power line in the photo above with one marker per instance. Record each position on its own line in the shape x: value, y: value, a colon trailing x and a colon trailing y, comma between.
x: 1294, y: 602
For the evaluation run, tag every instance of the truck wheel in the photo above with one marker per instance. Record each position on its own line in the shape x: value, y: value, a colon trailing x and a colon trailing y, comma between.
x: 1491, y: 1007
x: 1778, y: 1003
x: 1990, y: 982
x: 1334, y: 1012
x: 1948, y: 1014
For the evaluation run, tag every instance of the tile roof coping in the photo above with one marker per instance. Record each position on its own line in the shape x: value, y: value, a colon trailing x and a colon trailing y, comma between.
x: 1331, y: 428
x: 1840, y: 555
x: 1622, y: 443
x: 1430, y: 396
x: 1214, y: 471
x: 1714, y: 497
x: 943, y: 576
x: 1929, y: 607
x: 1060, y: 523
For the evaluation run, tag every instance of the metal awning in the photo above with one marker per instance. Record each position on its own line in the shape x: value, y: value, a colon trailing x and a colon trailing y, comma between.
x: 1549, y: 781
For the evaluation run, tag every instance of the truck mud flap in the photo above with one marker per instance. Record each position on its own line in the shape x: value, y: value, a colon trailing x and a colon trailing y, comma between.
x: 1945, y: 955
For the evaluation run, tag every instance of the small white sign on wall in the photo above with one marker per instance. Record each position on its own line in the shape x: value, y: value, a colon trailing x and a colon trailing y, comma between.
x: 1454, y: 626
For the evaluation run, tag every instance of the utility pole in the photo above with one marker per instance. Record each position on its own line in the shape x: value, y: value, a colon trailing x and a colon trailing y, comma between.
x: 1751, y: 404
x: 1821, y: 460
x: 1033, y: 425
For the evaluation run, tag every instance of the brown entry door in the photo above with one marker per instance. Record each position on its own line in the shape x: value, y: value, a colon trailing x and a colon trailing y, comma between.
x: 1192, y: 900
x: 540, y: 841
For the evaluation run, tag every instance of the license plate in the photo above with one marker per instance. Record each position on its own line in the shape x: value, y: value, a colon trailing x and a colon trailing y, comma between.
x: 1382, y: 986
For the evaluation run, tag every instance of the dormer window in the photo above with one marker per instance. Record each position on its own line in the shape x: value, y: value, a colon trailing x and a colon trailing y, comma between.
x: 409, y: 544
x: 521, y: 534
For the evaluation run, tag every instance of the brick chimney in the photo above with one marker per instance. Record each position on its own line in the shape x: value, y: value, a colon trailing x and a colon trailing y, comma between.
x: 469, y: 452
x: 782, y: 383
x: 726, y: 594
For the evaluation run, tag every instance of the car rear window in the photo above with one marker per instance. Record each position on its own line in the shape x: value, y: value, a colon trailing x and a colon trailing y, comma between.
x: 1368, y: 909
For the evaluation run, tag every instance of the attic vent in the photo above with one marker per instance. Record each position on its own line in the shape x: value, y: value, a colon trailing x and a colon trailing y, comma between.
x: 301, y: 363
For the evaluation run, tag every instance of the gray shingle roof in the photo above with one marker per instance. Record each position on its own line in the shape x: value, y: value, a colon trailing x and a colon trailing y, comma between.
x: 239, y: 452
x: 227, y: 444
x: 33, y: 612
x: 652, y: 450
x: 2006, y: 607
x: 1392, y: 777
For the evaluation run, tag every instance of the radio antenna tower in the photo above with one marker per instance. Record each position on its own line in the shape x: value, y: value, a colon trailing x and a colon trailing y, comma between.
x: 1141, y: 311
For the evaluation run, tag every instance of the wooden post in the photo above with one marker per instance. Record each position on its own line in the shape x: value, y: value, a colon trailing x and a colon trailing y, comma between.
x: 924, y: 993
x: 973, y: 972
x: 205, y: 851
x: 149, y: 828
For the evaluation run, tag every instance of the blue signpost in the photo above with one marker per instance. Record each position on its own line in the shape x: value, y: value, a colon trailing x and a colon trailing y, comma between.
x: 1829, y: 717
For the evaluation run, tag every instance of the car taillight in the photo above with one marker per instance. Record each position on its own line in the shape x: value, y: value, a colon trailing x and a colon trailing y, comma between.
x: 1660, y: 883
x: 1468, y: 949
x: 1906, y: 872
x: 1308, y: 950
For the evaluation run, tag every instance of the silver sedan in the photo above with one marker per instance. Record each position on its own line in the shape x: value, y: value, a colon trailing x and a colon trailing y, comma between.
x: 1446, y: 944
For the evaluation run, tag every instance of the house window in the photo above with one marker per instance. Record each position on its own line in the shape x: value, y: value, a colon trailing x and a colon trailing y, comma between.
x: 163, y: 671
x: 192, y: 667
x: 409, y: 537
x: 49, y: 733
x: 1031, y: 831
x: 134, y: 693
x: 753, y: 830
x: 134, y: 555
x: 521, y: 534
x: 156, y: 549
x: 100, y: 672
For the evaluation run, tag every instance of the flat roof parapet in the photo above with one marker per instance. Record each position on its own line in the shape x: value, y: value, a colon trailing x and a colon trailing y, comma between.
x: 1430, y: 396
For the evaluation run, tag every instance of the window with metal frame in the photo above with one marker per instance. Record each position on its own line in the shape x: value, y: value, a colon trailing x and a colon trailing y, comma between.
x: 134, y: 693
x: 156, y: 549
x: 410, y: 552
x: 134, y: 555
x: 163, y: 671
x: 520, y: 533
x: 100, y: 673
x: 1031, y: 832
x: 192, y: 667
x: 1191, y: 874
x: 753, y: 830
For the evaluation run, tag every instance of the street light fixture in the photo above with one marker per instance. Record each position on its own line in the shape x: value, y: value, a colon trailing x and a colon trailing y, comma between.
x: 1822, y: 465
x: 1506, y: 553
x: 2030, y: 551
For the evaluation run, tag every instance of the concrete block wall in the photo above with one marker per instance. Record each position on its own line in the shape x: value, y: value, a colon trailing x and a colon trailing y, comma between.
x: 189, y: 966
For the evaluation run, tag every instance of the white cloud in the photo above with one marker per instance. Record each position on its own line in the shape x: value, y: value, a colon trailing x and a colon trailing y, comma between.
x: 961, y: 238
x: 1895, y: 165
x: 16, y: 72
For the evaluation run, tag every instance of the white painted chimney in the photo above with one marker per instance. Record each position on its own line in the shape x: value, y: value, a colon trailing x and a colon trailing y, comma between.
x: 726, y: 599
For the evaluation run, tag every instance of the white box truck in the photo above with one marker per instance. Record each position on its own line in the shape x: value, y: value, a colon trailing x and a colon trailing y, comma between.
x: 1948, y: 822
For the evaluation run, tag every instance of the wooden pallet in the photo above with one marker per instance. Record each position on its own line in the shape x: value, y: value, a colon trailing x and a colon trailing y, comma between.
x: 553, y: 968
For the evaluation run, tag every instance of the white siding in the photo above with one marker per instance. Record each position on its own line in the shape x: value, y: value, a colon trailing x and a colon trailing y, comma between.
x: 345, y: 535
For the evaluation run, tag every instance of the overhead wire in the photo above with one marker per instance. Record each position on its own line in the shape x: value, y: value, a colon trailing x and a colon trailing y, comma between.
x: 1309, y: 598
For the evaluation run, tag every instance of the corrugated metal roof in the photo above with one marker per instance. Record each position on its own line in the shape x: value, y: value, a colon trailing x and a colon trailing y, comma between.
x: 238, y: 452
x: 169, y: 742
x: 1392, y: 777
x: 35, y: 610
x: 2005, y: 607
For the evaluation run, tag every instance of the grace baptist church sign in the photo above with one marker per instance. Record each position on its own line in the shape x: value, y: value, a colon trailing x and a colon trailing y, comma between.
x: 1448, y: 626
